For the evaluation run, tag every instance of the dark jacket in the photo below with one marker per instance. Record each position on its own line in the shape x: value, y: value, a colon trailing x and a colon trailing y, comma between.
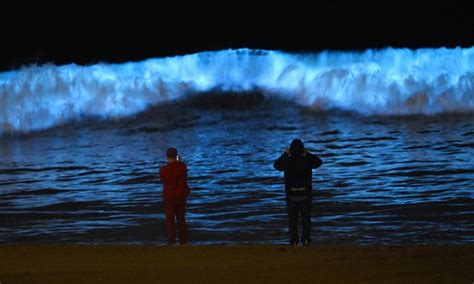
x: 298, y: 173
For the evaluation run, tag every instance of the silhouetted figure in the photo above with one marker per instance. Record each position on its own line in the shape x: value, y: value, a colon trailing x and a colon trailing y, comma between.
x: 297, y: 163
x: 175, y: 192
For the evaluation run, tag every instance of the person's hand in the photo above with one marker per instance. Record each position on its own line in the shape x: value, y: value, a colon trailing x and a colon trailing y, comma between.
x: 287, y: 151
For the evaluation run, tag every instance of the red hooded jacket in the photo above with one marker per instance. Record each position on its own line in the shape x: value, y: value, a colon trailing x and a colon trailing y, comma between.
x: 175, y: 185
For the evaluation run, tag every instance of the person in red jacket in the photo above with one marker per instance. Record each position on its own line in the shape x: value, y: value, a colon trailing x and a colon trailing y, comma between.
x: 175, y: 192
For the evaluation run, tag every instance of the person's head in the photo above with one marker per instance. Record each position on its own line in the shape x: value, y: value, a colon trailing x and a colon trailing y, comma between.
x: 296, y: 148
x: 171, y: 154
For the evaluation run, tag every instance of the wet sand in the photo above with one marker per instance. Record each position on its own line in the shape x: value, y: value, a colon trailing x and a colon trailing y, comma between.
x: 235, y: 264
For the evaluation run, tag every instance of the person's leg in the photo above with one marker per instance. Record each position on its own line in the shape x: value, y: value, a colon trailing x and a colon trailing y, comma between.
x: 306, y: 220
x: 180, y: 215
x: 292, y: 207
x: 169, y: 214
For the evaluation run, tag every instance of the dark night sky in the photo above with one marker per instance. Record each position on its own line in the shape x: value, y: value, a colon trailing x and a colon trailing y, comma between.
x: 86, y: 32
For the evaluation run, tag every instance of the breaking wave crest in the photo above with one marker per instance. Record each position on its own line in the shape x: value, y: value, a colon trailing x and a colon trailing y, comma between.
x: 373, y: 82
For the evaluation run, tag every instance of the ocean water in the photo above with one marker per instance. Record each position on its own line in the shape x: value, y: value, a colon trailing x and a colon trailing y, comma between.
x: 81, y: 146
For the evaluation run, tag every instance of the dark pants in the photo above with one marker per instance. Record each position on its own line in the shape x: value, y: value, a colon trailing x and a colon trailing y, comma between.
x: 295, y: 208
x: 176, y: 208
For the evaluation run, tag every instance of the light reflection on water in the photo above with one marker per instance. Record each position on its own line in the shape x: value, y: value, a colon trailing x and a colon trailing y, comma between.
x: 384, y: 179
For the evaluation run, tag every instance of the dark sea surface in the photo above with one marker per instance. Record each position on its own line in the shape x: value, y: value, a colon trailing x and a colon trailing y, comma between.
x: 385, y: 179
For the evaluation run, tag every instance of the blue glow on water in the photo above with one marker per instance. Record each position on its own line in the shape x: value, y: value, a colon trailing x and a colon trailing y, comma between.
x: 373, y: 82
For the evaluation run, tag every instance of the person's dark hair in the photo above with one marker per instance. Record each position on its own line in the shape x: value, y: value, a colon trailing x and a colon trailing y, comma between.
x: 171, y: 153
x: 296, y: 148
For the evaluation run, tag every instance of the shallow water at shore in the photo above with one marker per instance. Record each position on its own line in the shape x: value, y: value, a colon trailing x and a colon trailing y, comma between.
x: 404, y: 179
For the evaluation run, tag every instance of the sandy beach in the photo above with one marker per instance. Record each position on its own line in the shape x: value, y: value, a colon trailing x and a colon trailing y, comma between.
x: 235, y: 264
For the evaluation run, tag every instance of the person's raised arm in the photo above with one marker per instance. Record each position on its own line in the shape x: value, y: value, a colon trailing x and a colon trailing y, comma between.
x: 316, y: 162
x: 182, y: 174
x: 281, y: 163
x: 184, y: 179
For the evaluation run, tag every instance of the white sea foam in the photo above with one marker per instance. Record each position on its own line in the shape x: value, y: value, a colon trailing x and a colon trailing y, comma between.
x: 373, y: 82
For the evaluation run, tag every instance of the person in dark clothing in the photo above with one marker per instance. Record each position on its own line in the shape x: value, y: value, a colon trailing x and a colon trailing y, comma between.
x: 297, y: 164
x: 175, y: 192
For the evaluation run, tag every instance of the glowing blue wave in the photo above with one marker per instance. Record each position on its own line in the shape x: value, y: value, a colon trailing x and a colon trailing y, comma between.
x: 374, y: 82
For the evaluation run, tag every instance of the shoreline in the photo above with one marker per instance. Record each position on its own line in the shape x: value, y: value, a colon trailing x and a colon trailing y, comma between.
x: 46, y: 263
